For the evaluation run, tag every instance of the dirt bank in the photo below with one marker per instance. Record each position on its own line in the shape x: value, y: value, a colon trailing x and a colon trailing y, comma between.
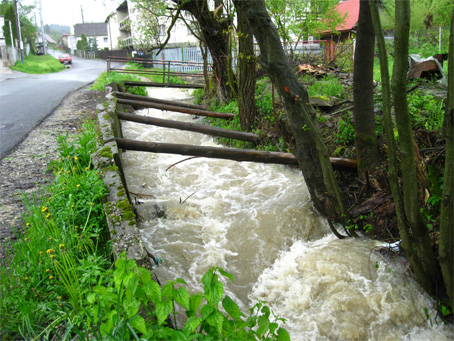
x: 23, y: 170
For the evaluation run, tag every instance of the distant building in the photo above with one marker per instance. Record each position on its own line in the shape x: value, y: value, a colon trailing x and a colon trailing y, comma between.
x: 125, y: 28
x: 92, y: 31
x: 350, y: 8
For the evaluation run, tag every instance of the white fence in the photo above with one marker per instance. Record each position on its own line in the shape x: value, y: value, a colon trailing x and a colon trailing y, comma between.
x: 182, y: 54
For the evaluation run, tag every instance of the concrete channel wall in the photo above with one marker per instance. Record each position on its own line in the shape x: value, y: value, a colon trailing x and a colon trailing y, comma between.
x: 120, y: 215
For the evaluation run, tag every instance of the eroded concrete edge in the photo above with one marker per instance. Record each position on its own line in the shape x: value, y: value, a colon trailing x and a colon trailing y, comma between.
x: 120, y: 215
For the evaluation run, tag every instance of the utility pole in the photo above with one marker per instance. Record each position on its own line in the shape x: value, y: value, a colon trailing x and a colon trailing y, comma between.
x: 82, y: 12
x: 10, y: 32
x: 42, y: 27
x: 18, y: 35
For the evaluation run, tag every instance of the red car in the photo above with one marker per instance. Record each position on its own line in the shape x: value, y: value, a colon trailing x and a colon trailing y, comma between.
x: 65, y: 59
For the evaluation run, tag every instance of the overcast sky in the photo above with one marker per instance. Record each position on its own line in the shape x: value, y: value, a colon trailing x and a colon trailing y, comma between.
x: 68, y: 12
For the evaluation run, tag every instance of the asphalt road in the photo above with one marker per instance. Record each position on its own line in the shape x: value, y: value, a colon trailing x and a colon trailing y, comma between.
x: 26, y: 100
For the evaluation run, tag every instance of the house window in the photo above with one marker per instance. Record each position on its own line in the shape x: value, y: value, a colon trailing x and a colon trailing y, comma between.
x: 106, y: 39
x: 162, y: 30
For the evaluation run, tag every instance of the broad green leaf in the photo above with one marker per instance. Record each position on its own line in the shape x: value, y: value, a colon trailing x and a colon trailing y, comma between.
x: 206, y: 311
x: 145, y: 275
x: 120, y: 264
x: 214, y: 295
x: 194, y: 302
x: 138, y: 323
x: 182, y: 297
x: 215, y: 320
x: 167, y: 291
x: 163, y: 310
x: 91, y: 298
x: 177, y: 335
x: 263, y: 323
x: 153, y: 291
x: 191, y: 324
x: 273, y: 327
x: 283, y: 335
x: 207, y: 278
x: 181, y: 281
x: 226, y: 274
x: 133, y: 283
x: 131, y: 307
x: 232, y: 308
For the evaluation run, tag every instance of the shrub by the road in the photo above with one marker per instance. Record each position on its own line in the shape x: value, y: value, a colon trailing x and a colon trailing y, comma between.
x: 39, y: 64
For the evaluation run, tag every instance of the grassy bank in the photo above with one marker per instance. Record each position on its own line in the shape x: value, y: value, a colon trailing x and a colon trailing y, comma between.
x: 61, y: 280
x: 39, y: 64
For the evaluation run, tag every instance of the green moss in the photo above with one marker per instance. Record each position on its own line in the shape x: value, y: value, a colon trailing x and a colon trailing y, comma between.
x: 106, y: 117
x: 113, y: 168
x: 121, y: 193
x: 114, y: 232
x: 128, y: 216
x: 106, y: 152
x: 131, y: 222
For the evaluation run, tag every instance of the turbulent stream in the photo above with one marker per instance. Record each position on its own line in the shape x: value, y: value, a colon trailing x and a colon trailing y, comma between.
x: 256, y: 222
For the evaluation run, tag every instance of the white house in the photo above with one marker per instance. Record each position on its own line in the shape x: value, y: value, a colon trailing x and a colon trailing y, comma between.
x: 126, y: 30
x: 92, y: 31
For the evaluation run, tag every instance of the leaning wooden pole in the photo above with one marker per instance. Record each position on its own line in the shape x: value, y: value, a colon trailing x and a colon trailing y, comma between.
x: 209, y: 152
x: 224, y: 153
x: 126, y: 95
x: 227, y: 116
x: 198, y: 128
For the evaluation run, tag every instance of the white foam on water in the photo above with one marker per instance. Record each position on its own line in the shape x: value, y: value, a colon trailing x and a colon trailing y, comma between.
x: 256, y: 221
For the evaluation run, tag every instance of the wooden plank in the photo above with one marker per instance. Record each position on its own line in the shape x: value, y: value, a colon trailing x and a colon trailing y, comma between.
x: 227, y: 116
x: 198, y: 128
x: 225, y: 153
x: 209, y: 152
x: 164, y: 85
x: 127, y: 95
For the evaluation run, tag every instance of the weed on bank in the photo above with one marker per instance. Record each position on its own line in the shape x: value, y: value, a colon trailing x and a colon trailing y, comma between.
x: 60, y: 280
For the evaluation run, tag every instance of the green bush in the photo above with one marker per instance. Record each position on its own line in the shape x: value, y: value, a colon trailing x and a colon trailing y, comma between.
x: 39, y: 65
x: 426, y: 111
x: 327, y: 86
x: 114, y: 77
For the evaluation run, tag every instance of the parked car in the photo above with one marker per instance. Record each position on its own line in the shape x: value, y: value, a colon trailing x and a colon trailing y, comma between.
x: 65, y: 59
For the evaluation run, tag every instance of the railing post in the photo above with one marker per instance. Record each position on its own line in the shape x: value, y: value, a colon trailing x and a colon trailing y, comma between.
x: 168, y: 72
x: 163, y: 72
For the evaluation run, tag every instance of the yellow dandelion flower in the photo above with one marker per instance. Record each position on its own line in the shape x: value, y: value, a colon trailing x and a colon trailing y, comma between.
x: 76, y: 158
x: 59, y: 173
x: 68, y: 172
x: 52, y: 256
x: 41, y: 253
x: 61, y: 246
x: 59, y: 159
x: 50, y: 251
x: 44, y: 209
x: 60, y: 304
x: 25, y: 239
x: 59, y: 298
x: 50, y: 238
x: 51, y: 277
x: 68, y: 156
x: 48, y: 215
x: 78, y: 186
x: 26, y: 278
x: 76, y: 227
x: 72, y: 206
x: 47, y: 270
x: 28, y: 224
x: 87, y: 168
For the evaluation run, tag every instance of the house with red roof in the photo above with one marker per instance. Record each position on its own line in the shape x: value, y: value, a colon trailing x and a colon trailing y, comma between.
x: 345, y: 30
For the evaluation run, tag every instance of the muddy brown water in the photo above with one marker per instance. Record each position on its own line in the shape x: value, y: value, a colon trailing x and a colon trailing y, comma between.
x: 256, y: 221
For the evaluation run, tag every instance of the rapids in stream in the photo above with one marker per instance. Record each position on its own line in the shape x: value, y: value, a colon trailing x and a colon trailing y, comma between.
x: 256, y: 221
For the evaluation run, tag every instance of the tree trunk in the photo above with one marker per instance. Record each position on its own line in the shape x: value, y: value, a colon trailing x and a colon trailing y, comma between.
x: 411, y: 193
x: 246, y: 72
x: 446, y: 253
x: 309, y: 149
x: 213, y: 29
x: 393, y: 168
x: 363, y: 92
